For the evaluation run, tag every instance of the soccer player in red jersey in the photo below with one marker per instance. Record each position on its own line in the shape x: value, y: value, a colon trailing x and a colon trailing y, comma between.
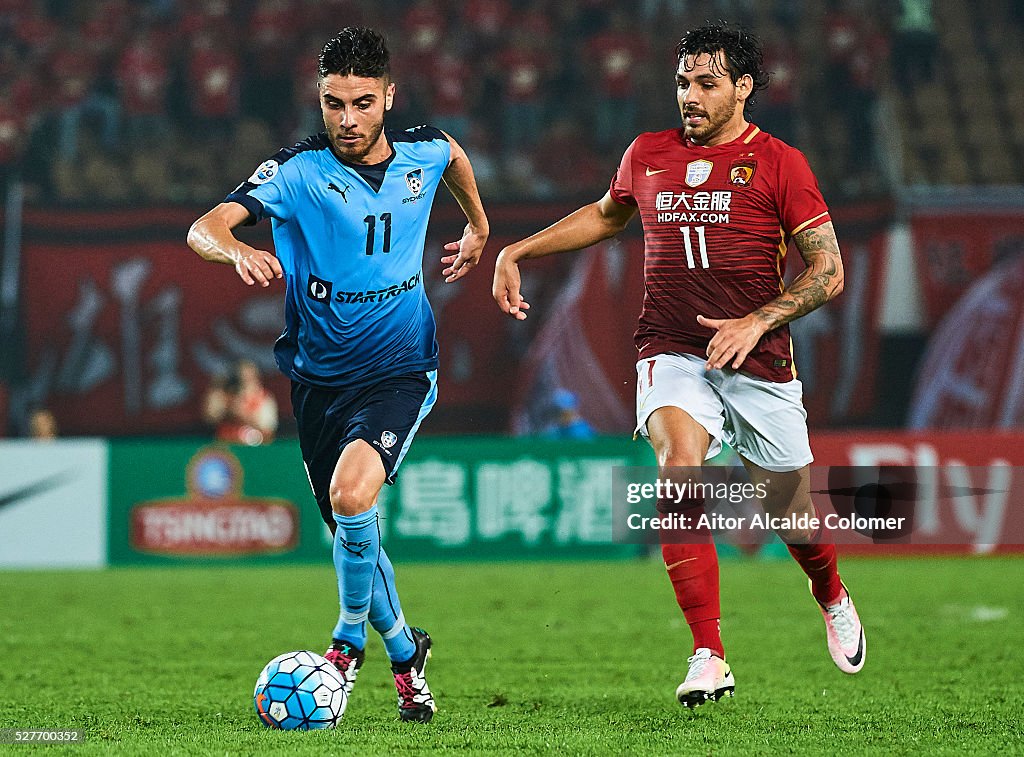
x: 720, y: 201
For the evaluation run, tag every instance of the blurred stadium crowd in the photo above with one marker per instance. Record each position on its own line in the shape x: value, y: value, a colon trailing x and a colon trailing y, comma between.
x: 114, y: 101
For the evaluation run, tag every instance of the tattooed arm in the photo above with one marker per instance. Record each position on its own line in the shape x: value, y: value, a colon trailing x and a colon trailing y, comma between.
x: 817, y: 284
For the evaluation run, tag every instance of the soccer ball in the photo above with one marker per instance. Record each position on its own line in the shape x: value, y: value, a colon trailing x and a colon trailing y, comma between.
x: 300, y: 691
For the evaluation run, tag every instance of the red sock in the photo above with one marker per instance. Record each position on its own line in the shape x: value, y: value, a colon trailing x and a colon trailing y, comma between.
x: 693, y: 570
x: 820, y: 563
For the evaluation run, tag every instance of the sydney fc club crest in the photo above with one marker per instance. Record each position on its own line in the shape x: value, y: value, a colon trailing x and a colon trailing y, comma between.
x: 741, y: 171
x: 415, y: 180
x: 698, y: 171
x: 388, y: 439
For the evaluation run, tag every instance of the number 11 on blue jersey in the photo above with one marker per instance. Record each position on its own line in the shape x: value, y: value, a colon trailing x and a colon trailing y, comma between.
x: 371, y: 232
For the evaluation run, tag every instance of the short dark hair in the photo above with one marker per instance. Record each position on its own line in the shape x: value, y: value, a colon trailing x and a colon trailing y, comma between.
x: 356, y: 51
x: 742, y: 52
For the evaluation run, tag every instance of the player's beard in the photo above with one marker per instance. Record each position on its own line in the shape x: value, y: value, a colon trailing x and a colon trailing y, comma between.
x: 714, y: 120
x: 354, y: 152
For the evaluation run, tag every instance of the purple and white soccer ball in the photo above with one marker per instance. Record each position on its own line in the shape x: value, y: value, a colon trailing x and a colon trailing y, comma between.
x: 300, y: 691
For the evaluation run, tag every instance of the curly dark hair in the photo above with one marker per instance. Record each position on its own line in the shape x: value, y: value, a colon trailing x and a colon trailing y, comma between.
x: 356, y: 51
x: 742, y: 52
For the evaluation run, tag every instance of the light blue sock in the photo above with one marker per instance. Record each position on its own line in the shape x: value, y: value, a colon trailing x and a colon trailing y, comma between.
x: 386, y: 615
x: 356, y: 551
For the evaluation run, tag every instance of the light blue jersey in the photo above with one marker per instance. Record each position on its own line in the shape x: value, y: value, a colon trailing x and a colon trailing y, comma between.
x: 350, y: 240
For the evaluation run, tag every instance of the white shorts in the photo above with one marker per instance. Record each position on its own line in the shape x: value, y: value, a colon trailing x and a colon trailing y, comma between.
x: 764, y: 421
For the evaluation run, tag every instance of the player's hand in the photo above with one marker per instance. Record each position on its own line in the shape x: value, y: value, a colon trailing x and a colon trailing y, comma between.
x: 735, y: 339
x: 258, y: 267
x: 467, y: 254
x: 505, y: 289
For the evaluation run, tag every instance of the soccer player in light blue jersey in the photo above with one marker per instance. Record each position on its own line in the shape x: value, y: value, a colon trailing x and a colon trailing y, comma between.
x: 349, y: 209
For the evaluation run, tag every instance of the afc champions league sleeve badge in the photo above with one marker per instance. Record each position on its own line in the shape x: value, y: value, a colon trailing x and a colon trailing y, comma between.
x: 741, y: 171
x: 266, y: 171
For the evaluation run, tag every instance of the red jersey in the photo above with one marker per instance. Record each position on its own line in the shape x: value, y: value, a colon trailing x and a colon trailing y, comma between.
x: 525, y: 71
x: 716, y: 224
x: 214, y: 75
x: 449, y: 83
x: 618, y: 55
x: 143, y: 75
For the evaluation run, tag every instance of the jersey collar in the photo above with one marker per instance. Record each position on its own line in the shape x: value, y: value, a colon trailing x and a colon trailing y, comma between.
x: 745, y: 138
x: 371, y: 173
x: 379, y: 166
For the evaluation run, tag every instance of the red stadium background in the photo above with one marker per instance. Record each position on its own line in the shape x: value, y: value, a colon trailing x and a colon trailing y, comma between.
x: 126, y: 327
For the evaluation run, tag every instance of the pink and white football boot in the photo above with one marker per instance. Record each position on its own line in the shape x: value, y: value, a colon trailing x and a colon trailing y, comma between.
x: 846, y: 642
x: 709, y: 678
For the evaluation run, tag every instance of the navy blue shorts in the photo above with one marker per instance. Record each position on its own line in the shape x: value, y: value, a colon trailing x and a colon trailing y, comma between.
x: 386, y: 415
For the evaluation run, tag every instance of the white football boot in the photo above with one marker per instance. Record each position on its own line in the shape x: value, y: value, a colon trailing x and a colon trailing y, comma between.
x: 846, y: 642
x: 709, y: 678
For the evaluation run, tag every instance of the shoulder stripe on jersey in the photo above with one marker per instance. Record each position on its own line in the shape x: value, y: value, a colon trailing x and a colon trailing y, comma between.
x: 807, y: 223
x: 314, y: 142
x: 240, y: 194
x: 751, y: 135
x: 417, y: 134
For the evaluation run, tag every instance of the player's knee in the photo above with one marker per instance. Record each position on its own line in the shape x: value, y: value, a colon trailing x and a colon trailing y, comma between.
x: 797, y: 536
x: 801, y: 525
x: 679, y: 457
x: 672, y: 466
x: 351, y: 497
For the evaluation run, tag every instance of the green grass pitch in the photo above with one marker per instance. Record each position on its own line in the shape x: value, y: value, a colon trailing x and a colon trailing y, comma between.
x: 542, y: 658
